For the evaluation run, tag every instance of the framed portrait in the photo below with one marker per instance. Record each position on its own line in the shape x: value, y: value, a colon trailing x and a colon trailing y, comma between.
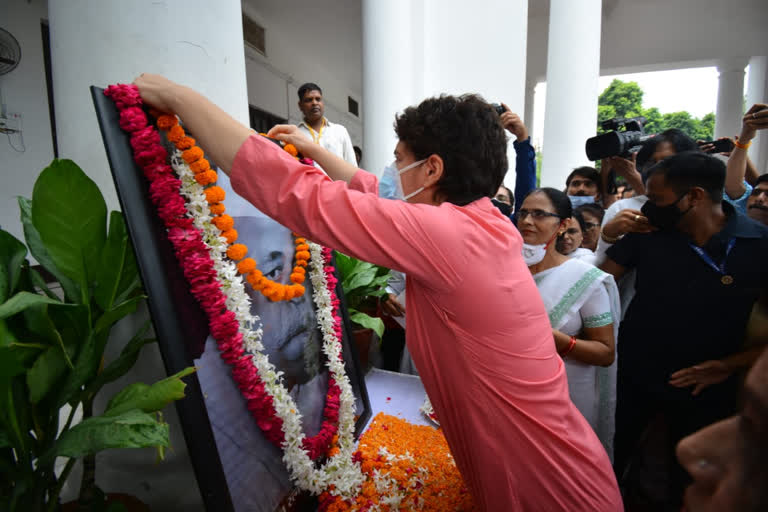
x: 236, y: 467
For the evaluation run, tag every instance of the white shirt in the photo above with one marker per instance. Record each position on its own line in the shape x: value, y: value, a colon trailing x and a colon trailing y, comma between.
x: 627, y: 282
x: 333, y: 137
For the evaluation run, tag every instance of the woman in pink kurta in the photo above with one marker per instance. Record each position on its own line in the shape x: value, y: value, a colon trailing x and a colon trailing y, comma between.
x: 477, y: 328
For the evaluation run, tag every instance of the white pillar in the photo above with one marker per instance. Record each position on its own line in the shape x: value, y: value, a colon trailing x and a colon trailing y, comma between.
x: 757, y: 92
x: 387, y: 76
x: 573, y: 69
x: 730, y: 98
x: 197, y: 43
x: 530, y: 97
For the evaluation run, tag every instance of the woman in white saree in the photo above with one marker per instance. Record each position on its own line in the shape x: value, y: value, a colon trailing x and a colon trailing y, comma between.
x: 583, y: 306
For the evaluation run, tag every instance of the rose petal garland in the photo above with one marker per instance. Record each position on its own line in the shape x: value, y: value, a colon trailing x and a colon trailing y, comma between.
x: 216, y: 285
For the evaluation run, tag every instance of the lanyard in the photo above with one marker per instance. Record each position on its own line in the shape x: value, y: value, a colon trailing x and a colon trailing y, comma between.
x: 720, y: 269
x: 316, y: 135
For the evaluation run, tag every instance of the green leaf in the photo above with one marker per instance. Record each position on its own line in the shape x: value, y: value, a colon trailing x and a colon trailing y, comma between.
x: 367, y: 321
x: 12, y: 254
x: 11, y: 362
x: 4, y: 441
x: 49, y: 367
x: 70, y: 214
x: 86, y: 366
x: 124, y: 362
x: 22, y: 301
x: 344, y: 264
x: 38, y: 250
x: 149, y: 398
x: 40, y: 283
x: 131, y: 429
x: 108, y: 319
x: 110, y: 268
x: 360, y: 280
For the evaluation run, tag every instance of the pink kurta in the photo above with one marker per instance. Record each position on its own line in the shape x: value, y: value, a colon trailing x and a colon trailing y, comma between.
x: 477, y: 329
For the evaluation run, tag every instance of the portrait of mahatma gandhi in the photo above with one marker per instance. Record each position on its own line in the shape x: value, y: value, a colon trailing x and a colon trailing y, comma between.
x: 255, y: 472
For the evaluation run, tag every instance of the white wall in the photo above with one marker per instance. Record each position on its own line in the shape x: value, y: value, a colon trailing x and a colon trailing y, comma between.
x: 311, y: 41
x: 24, y: 91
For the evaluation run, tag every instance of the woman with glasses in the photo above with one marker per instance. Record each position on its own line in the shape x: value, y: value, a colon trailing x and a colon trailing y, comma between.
x: 583, y: 306
x: 593, y: 219
x: 477, y: 331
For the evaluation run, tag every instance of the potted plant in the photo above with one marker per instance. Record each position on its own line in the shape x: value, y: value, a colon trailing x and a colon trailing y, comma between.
x: 52, y: 343
x: 363, y: 284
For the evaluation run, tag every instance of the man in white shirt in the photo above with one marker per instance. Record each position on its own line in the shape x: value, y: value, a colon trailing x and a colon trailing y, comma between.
x: 332, y: 136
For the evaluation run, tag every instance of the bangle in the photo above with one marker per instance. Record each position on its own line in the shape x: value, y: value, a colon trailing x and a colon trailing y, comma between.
x: 742, y: 146
x: 609, y: 239
x: 570, y: 347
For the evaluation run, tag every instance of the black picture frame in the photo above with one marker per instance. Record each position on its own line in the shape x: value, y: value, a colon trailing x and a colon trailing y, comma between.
x: 179, y: 322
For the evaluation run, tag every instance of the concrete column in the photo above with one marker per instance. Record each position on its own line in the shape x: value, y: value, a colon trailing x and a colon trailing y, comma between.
x: 530, y: 96
x: 388, y: 76
x: 199, y: 44
x: 757, y: 92
x: 573, y: 68
x: 730, y: 98
x: 196, y: 43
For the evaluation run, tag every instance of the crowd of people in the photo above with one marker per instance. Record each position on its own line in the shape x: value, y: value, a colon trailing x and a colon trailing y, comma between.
x: 573, y: 343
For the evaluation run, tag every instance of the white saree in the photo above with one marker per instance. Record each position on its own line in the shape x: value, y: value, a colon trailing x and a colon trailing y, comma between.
x: 577, y: 295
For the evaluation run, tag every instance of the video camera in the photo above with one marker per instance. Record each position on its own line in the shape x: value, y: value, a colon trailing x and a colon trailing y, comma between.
x: 615, y: 142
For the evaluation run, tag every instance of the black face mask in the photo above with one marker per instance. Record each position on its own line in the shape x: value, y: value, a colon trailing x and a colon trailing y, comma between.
x: 504, y: 208
x: 664, y: 217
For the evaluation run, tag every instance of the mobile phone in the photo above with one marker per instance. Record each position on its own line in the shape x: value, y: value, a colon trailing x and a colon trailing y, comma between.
x: 720, y: 145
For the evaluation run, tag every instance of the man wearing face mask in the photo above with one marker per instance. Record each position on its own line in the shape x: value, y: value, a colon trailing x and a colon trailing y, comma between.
x: 681, y: 341
x: 583, y: 186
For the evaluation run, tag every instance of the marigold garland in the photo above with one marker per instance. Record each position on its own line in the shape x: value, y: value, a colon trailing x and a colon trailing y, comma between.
x: 215, y: 195
x: 214, y: 284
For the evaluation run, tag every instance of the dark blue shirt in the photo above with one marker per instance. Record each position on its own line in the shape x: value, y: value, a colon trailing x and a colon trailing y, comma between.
x: 525, y: 172
x: 682, y: 313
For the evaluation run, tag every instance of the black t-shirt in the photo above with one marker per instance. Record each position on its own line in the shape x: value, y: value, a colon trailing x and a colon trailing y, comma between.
x: 682, y: 313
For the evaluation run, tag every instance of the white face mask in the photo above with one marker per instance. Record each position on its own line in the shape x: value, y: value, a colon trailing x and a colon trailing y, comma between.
x: 533, y: 254
x: 399, y: 181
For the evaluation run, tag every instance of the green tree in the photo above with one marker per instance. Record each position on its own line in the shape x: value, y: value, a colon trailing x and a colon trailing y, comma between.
x: 625, y: 99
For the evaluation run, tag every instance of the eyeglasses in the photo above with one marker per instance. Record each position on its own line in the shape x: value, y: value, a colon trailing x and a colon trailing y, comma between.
x: 536, y: 214
x: 589, y: 226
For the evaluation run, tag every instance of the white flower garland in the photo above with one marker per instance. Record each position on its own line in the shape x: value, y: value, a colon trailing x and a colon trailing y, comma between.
x: 340, y: 470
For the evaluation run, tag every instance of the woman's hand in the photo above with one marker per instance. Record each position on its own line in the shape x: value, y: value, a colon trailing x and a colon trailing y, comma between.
x: 627, y: 221
x: 291, y: 134
x: 701, y: 375
x: 157, y: 91
x: 392, y: 307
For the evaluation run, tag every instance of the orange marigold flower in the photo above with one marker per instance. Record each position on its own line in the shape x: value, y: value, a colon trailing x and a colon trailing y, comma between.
x: 299, y: 270
x: 165, y: 121
x: 290, y: 293
x: 246, y: 266
x: 214, y: 195
x: 300, y: 240
x: 237, y: 251
x: 302, y: 247
x: 185, y: 143
x: 302, y: 255
x: 223, y: 222
x: 291, y: 150
x: 230, y: 235
x: 192, y: 154
x: 278, y: 294
x: 299, y: 289
x: 201, y: 165
x: 297, y: 278
x: 217, y: 208
x: 206, y: 178
x: 301, y: 263
x: 175, y: 134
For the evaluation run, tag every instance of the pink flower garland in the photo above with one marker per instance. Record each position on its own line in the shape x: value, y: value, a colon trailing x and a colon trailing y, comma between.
x: 198, y: 267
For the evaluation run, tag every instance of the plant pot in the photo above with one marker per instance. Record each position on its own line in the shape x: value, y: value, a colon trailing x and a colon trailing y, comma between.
x: 363, y: 339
